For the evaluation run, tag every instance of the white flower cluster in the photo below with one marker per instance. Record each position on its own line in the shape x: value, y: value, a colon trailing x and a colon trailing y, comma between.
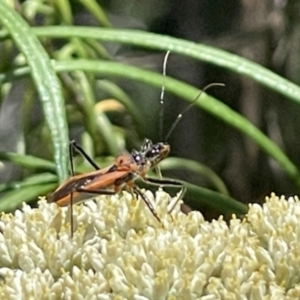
x: 120, y: 251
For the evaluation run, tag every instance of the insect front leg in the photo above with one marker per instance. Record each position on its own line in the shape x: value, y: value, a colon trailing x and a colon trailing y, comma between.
x: 171, y: 183
x: 74, y: 146
x: 179, y: 197
x: 95, y: 191
x: 127, y: 180
x: 147, y: 202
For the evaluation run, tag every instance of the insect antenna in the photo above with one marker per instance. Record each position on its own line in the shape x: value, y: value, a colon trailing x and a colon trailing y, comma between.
x: 179, y: 117
x: 161, y: 99
x: 173, y: 126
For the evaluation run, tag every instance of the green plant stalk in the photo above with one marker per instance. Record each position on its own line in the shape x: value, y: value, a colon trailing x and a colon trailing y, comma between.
x: 46, y: 83
x: 200, y: 52
x: 98, y: 49
x: 65, y: 11
x: 86, y: 101
x: 115, y: 91
x: 96, y: 10
x: 92, y: 119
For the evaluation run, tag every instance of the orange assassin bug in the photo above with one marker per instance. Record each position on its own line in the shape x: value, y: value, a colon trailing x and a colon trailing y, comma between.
x: 122, y: 173
x: 112, y: 179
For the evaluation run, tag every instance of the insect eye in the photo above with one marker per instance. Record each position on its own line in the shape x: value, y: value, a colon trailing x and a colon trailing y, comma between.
x: 152, y: 153
x: 157, y: 149
x: 136, y: 157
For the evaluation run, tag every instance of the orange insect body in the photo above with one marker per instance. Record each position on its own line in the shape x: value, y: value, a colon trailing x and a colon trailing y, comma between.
x: 93, y: 180
x: 112, y: 179
x: 125, y: 170
x: 105, y: 179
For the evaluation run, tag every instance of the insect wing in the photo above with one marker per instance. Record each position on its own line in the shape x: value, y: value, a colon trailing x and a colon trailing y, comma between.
x: 98, y: 180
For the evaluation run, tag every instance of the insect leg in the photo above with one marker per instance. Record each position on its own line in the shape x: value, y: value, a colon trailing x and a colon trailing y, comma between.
x: 179, y: 197
x: 128, y: 179
x: 158, y: 171
x: 73, y: 145
x: 79, y: 149
x: 164, y: 181
x: 71, y: 214
x: 147, y: 202
x: 135, y: 190
x: 168, y: 182
x: 96, y: 192
x: 71, y: 154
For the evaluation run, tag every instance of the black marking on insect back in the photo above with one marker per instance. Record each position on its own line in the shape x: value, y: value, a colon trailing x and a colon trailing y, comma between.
x: 72, y: 186
x: 113, y: 168
x: 127, y: 177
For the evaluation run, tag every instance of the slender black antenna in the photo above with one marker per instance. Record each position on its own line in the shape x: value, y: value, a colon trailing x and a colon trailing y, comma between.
x: 179, y: 117
x: 161, y: 112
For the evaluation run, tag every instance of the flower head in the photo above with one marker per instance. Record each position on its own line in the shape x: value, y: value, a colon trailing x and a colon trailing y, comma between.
x: 120, y: 251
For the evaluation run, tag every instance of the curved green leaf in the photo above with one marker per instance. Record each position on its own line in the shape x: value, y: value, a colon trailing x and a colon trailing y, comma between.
x: 13, y: 199
x: 104, y: 126
x: 38, y: 179
x: 191, y: 49
x: 115, y: 91
x: 96, y: 10
x: 187, y: 92
x: 45, y: 80
x: 197, y: 197
x: 172, y: 163
x: 223, y: 203
x: 27, y: 161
